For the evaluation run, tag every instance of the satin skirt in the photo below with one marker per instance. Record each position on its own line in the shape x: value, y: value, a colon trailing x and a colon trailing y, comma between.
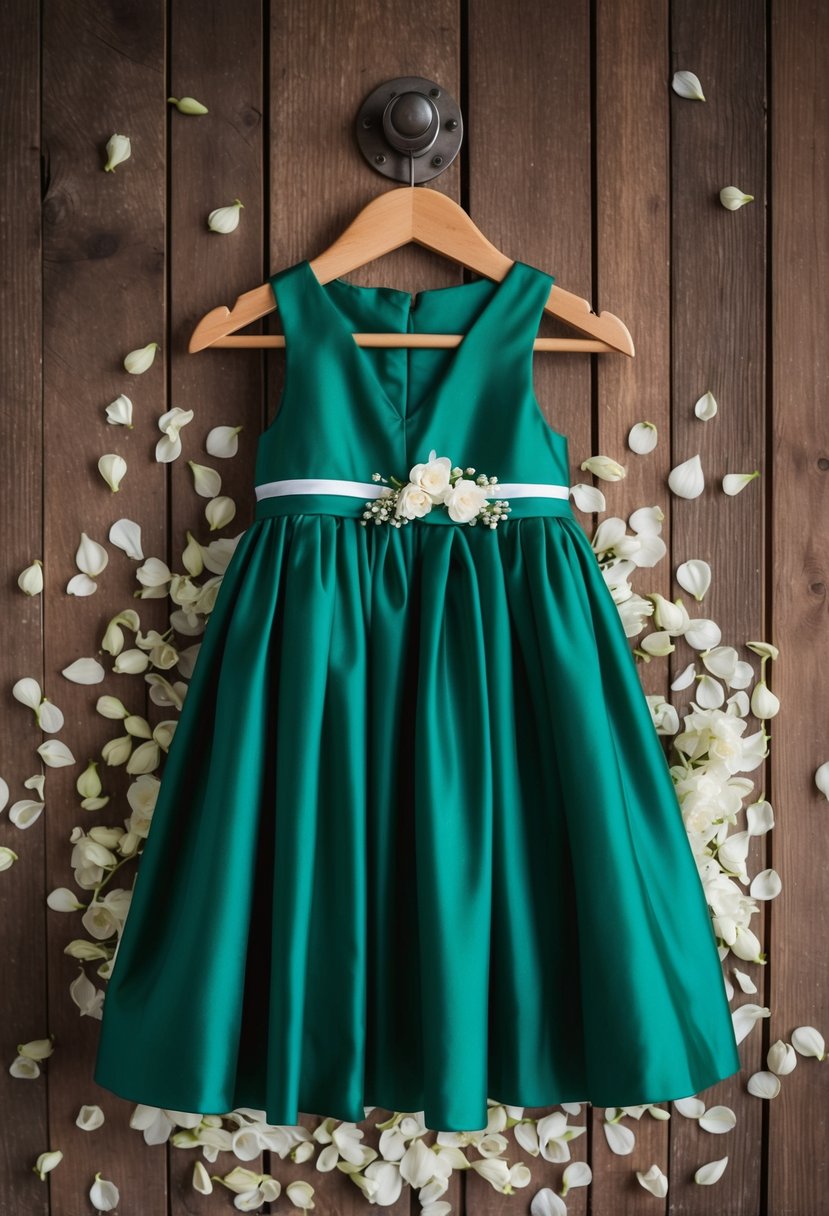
x: 416, y: 844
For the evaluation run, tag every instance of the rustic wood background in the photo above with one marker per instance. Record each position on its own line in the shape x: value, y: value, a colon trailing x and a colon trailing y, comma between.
x: 579, y: 158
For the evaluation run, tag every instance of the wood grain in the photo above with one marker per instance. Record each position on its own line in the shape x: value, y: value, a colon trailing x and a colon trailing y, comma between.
x: 577, y: 157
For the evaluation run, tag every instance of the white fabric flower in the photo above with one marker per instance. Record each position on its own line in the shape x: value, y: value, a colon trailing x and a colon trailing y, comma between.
x: 413, y: 501
x: 464, y: 500
x: 432, y: 476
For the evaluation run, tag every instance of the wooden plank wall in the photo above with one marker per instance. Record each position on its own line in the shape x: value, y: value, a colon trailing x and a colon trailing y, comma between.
x: 577, y: 157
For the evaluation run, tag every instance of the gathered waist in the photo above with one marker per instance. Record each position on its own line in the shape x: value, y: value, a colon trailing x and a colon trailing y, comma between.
x: 335, y: 496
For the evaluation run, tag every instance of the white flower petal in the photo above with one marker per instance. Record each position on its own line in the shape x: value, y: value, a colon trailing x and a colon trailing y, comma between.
x: 27, y: 691
x: 112, y: 468
x: 686, y: 84
x: 653, y: 1180
x: 25, y: 812
x: 732, y: 198
x: 642, y: 437
x: 222, y: 441
x: 703, y: 634
x: 763, y: 1085
x: 140, y: 360
x: 55, y: 753
x: 206, y: 481
x: 119, y: 411
x: 91, y: 558
x: 547, y: 1203
x: 30, y: 580
x: 822, y: 778
x: 732, y: 483
x: 7, y: 857
x: 104, y: 1195
x: 189, y: 105
x: 81, y: 584
x: 168, y: 449
x: 809, y: 1042
x: 126, y: 534
x: 711, y: 1172
x: 745, y: 1017
x: 705, y: 407
x: 49, y: 717
x: 620, y: 1139
x: 219, y: 511
x: 689, y: 1108
x: 767, y: 884
x: 718, y: 1119
x: 588, y: 498
x: 685, y: 678
x: 84, y: 671
x: 694, y: 576
x: 687, y: 479
x: 118, y: 149
x: 604, y: 467
x: 781, y: 1058
x: 225, y: 219
x: 89, y: 1118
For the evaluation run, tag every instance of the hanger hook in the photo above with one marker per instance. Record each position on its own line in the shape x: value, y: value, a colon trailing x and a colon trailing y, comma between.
x: 411, y: 168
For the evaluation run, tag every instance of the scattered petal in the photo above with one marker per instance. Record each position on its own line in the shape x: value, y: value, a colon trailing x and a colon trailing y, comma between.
x: 91, y: 557
x: 225, y: 219
x: 7, y: 857
x: 642, y: 437
x: 718, y: 1119
x: 809, y: 1042
x: 118, y: 149
x: 84, y: 671
x: 732, y: 483
x: 89, y: 1118
x: 745, y: 1017
x: 25, y: 812
x: 763, y: 1085
x: 81, y: 584
x: 711, y: 1172
x: 705, y: 407
x: 141, y: 359
x: 765, y: 885
x: 46, y: 1162
x: 588, y: 498
x: 30, y: 580
x: 219, y: 511
x: 654, y: 1180
x: 764, y: 704
x: 104, y: 1195
x: 55, y: 753
x: 686, y: 479
x: 694, y: 576
x: 604, y: 467
x: 781, y: 1058
x: 732, y: 198
x: 222, y: 441
x: 119, y: 411
x: 188, y: 105
x: 126, y: 534
x: 686, y: 84
x: 112, y: 468
x: 822, y: 778
x: 207, y: 481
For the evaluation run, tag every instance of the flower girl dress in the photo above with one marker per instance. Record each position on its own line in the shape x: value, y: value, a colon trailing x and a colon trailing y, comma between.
x: 416, y: 843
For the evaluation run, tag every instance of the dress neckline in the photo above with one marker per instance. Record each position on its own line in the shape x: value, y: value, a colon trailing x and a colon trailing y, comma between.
x: 501, y: 290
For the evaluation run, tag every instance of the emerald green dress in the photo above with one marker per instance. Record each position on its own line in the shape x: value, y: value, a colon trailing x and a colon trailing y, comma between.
x: 416, y: 843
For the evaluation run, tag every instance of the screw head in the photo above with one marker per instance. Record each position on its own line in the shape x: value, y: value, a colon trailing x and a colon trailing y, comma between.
x: 380, y: 159
x: 437, y: 160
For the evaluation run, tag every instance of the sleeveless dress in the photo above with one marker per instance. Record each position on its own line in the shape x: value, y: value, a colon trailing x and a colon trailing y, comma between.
x: 416, y: 843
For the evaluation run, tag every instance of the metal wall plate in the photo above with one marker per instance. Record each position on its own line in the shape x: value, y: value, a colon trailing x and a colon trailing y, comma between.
x: 406, y: 124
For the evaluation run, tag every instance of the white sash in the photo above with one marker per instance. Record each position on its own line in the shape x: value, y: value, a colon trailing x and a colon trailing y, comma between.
x: 373, y: 489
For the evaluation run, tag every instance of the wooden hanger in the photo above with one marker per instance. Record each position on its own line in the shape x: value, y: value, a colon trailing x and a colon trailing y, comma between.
x: 394, y: 218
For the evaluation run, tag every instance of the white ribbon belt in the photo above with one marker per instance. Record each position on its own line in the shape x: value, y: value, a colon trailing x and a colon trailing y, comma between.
x: 373, y: 489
